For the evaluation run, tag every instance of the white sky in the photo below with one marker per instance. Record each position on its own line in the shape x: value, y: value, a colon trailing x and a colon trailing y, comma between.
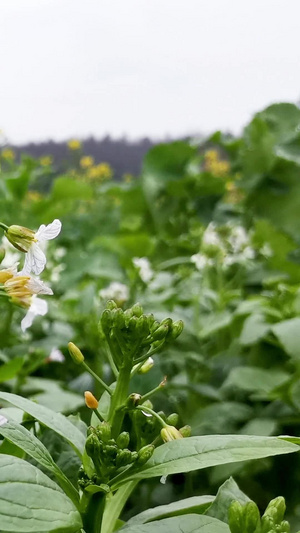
x: 143, y: 67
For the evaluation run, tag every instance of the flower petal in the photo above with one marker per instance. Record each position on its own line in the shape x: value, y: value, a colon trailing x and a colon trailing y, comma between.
x: 38, y: 307
x: 46, y: 233
x: 37, y: 286
x: 35, y: 260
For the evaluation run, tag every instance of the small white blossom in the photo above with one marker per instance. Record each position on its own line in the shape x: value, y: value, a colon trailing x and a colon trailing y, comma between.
x: 211, y: 237
x: 37, y: 307
x: 238, y: 238
x: 144, y: 267
x: 201, y: 261
x: 266, y: 250
x: 56, y: 356
x: 35, y: 259
x: 115, y: 291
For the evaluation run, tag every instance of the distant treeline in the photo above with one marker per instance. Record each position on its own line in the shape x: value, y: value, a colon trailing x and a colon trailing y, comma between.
x: 124, y: 156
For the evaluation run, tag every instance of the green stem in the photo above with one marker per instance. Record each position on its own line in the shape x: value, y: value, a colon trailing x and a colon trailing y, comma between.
x: 90, y: 371
x: 3, y: 226
x: 111, y: 362
x: 119, y: 397
x: 153, y: 413
x: 92, y: 518
x: 115, y: 505
x: 153, y: 391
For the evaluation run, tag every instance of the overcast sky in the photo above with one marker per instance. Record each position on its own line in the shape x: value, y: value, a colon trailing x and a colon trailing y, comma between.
x: 143, y: 67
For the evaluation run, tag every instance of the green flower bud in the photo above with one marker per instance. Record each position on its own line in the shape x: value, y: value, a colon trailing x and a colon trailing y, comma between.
x: 251, y: 518
x: 111, y: 304
x: 111, y: 451
x: 75, y: 353
x: 235, y: 517
x: 123, y: 440
x: 285, y: 527
x: 128, y: 314
x: 137, y: 310
x: 276, y: 509
x: 142, y: 327
x: 2, y: 254
x: 154, y: 325
x: 160, y: 333
x: 176, y: 329
x: 103, y: 431
x: 20, y: 237
x: 119, y: 320
x: 132, y: 323
x: 123, y: 458
x: 106, y: 321
x: 93, y: 446
x: 185, y: 431
x: 144, y: 454
x: 133, y: 400
x: 148, y: 364
x: 267, y: 524
x: 134, y: 456
x: 173, y: 419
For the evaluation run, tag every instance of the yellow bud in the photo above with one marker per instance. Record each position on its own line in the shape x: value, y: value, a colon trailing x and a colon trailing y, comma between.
x: 148, y: 364
x: 169, y: 433
x: 90, y: 400
x: 75, y: 353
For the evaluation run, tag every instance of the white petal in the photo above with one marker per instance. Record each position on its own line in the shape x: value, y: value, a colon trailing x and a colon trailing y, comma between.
x: 27, y: 320
x: 56, y: 355
x: 46, y: 233
x: 38, y: 307
x: 35, y: 260
x: 38, y: 287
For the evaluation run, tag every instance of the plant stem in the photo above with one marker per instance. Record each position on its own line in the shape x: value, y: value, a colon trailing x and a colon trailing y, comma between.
x: 153, y: 413
x: 93, y: 515
x: 119, y: 397
x: 90, y: 371
x: 3, y: 226
x: 115, y: 505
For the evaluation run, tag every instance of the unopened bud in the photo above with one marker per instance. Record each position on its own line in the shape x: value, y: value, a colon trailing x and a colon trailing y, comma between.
x: 185, y: 431
x: 92, y: 446
x: 285, y: 527
x: 103, y: 430
x: 235, y: 517
x: 267, y: 524
x: 20, y: 237
x: 173, y: 419
x: 169, y: 433
x: 75, y: 353
x: 144, y: 454
x: 160, y: 333
x: 276, y: 509
x: 123, y: 458
x: 123, y: 439
x: 119, y: 320
x: 251, y: 518
x: 132, y: 323
x: 133, y: 400
x: 90, y: 400
x: 111, y: 305
x: 148, y: 364
x: 176, y: 329
x: 137, y: 310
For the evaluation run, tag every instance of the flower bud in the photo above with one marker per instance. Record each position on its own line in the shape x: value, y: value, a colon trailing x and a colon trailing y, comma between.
x: 133, y: 400
x: 176, y: 329
x: 123, y: 440
x: 142, y: 327
x: 103, y: 431
x: 144, y: 454
x: 235, y: 517
x: 169, y: 433
x: 123, y: 458
x: 285, y: 527
x: 90, y: 400
x: 137, y: 310
x: 75, y: 353
x: 132, y: 323
x: 267, y: 524
x: 173, y: 419
x: 20, y: 237
x: 119, y: 320
x: 148, y: 364
x: 93, y: 446
x: 276, y: 509
x: 111, y: 304
x: 106, y: 321
x: 160, y: 333
x: 251, y: 517
x: 185, y: 431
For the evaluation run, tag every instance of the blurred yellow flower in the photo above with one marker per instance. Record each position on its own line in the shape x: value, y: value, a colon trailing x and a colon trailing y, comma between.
x: 86, y: 161
x: 74, y: 144
x: 46, y: 160
x: 33, y: 196
x: 214, y: 165
x: 8, y: 154
x: 100, y: 172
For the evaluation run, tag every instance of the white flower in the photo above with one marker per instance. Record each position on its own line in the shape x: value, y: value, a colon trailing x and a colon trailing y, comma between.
x: 266, y: 250
x: 211, y: 237
x: 56, y: 355
x: 35, y: 259
x: 201, y: 261
x: 145, y: 270
x: 115, y: 291
x: 238, y: 238
x: 37, y: 307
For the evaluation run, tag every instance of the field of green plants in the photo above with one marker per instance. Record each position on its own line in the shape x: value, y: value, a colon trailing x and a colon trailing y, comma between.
x: 149, y: 391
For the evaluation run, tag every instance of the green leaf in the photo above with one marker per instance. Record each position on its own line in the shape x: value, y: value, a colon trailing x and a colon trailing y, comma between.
x: 195, y: 504
x: 288, y: 333
x: 190, y: 523
x: 254, y: 329
x: 31, y: 502
x: 70, y: 189
x: 255, y: 379
x: 10, y: 369
x: 194, y: 453
x: 24, y: 439
x: 59, y: 423
x: 227, y: 493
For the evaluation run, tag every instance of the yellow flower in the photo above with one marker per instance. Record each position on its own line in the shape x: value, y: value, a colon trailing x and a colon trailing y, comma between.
x: 100, y: 172
x: 8, y: 154
x: 210, y: 156
x: 33, y: 196
x: 46, y: 160
x: 86, y: 161
x: 169, y: 433
x: 74, y: 144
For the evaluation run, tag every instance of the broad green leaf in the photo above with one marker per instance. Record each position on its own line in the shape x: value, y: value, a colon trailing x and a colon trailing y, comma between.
x: 59, y: 423
x: 288, y: 333
x: 194, y: 453
x: 254, y: 329
x: 10, y: 369
x: 195, y: 504
x: 30, y: 502
x: 68, y: 188
x: 190, y: 523
x: 228, y: 492
x: 24, y: 439
x: 256, y: 379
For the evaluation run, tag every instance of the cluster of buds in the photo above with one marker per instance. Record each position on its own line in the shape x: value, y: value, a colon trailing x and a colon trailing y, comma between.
x: 110, y: 455
x: 246, y: 518
x: 134, y: 337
